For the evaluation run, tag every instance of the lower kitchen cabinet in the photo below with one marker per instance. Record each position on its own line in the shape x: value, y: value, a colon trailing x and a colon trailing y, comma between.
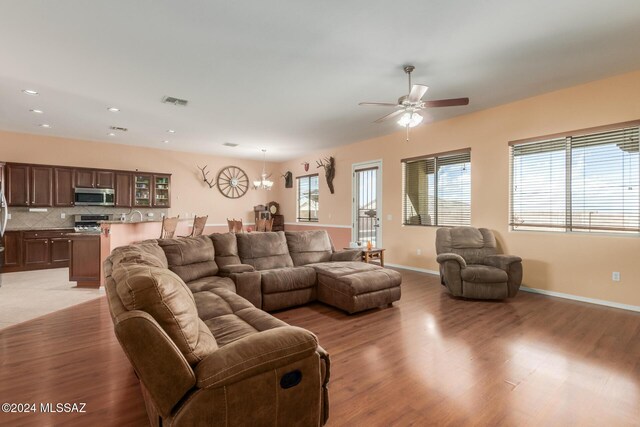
x: 36, y: 250
x: 84, y: 265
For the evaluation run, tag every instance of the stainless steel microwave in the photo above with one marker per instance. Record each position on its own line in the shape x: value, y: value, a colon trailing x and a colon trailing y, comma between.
x: 94, y: 197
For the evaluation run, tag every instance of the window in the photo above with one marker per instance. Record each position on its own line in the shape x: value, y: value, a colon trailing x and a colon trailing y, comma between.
x: 585, y: 181
x: 308, y: 198
x: 437, y: 189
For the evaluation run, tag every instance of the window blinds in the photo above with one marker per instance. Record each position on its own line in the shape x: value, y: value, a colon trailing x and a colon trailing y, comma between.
x: 588, y: 182
x: 437, y: 190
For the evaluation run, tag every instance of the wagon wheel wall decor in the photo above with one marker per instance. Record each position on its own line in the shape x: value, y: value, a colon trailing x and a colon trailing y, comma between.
x: 232, y: 182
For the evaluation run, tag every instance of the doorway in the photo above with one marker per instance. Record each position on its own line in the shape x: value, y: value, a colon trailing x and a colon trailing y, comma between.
x: 367, y: 203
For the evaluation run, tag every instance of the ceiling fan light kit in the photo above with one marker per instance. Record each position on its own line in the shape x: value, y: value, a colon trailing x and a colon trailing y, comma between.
x: 409, y: 105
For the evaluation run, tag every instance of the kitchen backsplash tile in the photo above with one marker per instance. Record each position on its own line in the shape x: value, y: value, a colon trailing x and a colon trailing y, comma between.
x: 21, y: 217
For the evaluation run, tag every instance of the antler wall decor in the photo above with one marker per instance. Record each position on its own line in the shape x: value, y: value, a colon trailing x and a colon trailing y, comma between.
x: 329, y: 165
x: 210, y: 181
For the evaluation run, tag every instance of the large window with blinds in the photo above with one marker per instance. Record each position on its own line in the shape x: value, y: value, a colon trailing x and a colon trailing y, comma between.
x: 437, y: 189
x: 586, y: 181
x: 308, y: 189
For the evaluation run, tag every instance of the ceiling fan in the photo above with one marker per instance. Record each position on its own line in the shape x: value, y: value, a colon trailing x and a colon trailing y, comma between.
x: 408, y: 106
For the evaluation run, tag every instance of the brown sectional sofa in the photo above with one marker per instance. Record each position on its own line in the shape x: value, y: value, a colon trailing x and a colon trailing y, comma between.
x: 189, y: 315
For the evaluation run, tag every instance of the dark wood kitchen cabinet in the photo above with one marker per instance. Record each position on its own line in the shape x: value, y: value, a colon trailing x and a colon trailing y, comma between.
x: 36, y: 249
x: 94, y: 178
x: 124, y: 190
x: 63, y: 194
x: 12, y: 250
x: 41, y: 186
x: 36, y: 253
x: 84, y: 265
x: 17, y: 186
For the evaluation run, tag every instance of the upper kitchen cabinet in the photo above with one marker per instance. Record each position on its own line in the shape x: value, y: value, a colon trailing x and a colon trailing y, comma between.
x: 17, y: 185
x: 124, y: 189
x: 142, y: 186
x: 41, y: 186
x: 161, y: 191
x: 63, y: 187
x: 92, y: 178
x: 29, y: 185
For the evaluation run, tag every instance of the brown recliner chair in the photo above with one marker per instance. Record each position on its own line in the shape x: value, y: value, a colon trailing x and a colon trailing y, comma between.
x: 471, y: 267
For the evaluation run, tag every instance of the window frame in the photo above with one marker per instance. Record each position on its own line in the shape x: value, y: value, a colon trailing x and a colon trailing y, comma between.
x: 436, y: 186
x: 309, y: 218
x: 568, y: 226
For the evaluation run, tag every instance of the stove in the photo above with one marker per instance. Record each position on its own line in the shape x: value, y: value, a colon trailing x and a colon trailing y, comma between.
x: 89, y: 223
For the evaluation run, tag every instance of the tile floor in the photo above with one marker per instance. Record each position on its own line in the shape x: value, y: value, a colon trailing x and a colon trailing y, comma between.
x: 30, y: 294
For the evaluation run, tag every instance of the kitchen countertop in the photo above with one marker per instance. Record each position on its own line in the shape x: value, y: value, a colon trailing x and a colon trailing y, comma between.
x: 40, y: 228
x: 139, y: 222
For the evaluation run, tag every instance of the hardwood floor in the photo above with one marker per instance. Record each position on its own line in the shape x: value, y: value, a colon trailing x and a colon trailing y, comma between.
x: 428, y: 360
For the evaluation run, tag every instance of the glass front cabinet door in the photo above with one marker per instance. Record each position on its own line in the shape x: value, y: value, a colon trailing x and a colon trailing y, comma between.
x: 161, y: 191
x: 142, y: 190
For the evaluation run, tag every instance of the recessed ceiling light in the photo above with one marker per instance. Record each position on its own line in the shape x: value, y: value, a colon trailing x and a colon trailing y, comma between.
x: 230, y: 144
x: 29, y: 91
x: 166, y: 141
x: 45, y: 125
x: 37, y: 111
x: 111, y: 134
x: 171, y: 131
x: 113, y: 109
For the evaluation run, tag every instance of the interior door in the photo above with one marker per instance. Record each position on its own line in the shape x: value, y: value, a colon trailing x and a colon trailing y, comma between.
x: 367, y: 203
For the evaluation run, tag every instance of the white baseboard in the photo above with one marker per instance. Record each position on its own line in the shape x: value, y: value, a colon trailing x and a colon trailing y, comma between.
x: 539, y: 291
x: 581, y: 299
x: 316, y: 224
x: 407, y: 267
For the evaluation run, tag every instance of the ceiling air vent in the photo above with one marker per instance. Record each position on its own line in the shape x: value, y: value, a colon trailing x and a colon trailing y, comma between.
x: 118, y: 128
x: 175, y: 101
x: 230, y: 144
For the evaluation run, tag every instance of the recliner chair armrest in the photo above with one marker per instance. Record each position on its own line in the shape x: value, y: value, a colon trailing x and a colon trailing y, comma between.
x: 442, y: 258
x: 235, y: 268
x: 347, y: 255
x: 255, y: 354
x: 501, y: 261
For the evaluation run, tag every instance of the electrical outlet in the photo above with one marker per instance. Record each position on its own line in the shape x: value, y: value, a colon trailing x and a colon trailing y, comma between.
x: 8, y: 216
x: 389, y: 217
x: 150, y: 214
x: 63, y: 215
x: 418, y: 251
x: 615, y: 276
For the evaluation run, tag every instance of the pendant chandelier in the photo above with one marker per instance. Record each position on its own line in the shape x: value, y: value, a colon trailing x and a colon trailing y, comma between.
x: 264, y: 183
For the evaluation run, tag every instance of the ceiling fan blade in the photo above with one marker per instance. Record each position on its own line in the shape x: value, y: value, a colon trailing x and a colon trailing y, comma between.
x: 381, y: 104
x: 388, y: 116
x: 446, y: 102
x: 417, y: 92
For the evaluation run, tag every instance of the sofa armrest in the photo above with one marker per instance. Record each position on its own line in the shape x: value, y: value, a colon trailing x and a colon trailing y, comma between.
x: 501, y: 261
x: 512, y: 265
x: 255, y: 354
x: 235, y: 268
x: 442, y: 258
x: 248, y: 286
x: 347, y: 255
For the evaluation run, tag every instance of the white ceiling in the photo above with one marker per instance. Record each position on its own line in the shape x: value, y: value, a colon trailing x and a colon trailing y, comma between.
x: 287, y: 75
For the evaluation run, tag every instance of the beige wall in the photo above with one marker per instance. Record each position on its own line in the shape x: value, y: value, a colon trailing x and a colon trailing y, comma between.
x: 189, y: 194
x: 578, y: 264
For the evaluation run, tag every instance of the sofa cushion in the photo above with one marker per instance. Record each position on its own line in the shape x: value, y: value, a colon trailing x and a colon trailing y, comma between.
x: 306, y: 247
x: 211, y: 282
x: 190, y: 257
x: 226, y: 248
x: 230, y: 317
x: 264, y: 250
x: 287, y: 279
x: 483, y: 274
x: 163, y: 295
